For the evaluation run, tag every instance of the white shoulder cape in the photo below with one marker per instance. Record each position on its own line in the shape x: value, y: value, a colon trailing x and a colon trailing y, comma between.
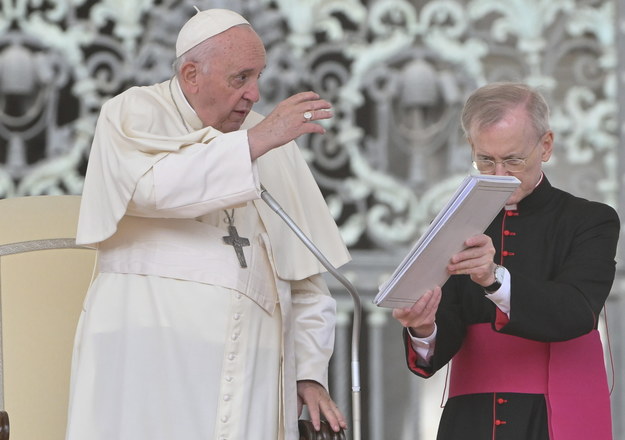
x: 139, y: 127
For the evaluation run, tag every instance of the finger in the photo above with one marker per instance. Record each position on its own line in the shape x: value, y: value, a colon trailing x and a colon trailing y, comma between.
x: 308, y: 115
x: 315, y: 104
x: 310, y: 127
x: 477, y: 240
x: 301, y: 97
x: 305, y: 101
x: 341, y: 418
x: 437, y: 296
x: 310, y: 100
x: 300, y: 406
x: 469, y: 256
x: 315, y: 415
x: 425, y: 298
x: 470, y: 265
x: 316, y: 115
x: 400, y: 314
x: 433, y: 307
x: 418, y: 307
x: 333, y: 415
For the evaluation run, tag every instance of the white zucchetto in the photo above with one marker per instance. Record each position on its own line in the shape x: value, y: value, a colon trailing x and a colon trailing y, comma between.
x: 206, y: 24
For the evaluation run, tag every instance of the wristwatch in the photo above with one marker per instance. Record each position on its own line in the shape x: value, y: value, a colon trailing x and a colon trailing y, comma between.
x: 499, y: 274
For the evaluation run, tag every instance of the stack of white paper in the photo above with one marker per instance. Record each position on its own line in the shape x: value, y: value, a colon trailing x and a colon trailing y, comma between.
x: 470, y: 210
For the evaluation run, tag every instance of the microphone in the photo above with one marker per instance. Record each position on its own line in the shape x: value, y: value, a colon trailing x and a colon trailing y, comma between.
x: 275, y: 206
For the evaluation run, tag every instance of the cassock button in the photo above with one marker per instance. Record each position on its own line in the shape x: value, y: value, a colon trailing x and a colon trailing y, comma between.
x: 507, y: 254
x: 234, y: 336
x: 228, y: 378
x: 227, y: 398
x: 236, y: 316
x: 224, y: 419
x: 231, y: 356
x: 507, y: 233
x: 500, y: 422
x: 501, y: 401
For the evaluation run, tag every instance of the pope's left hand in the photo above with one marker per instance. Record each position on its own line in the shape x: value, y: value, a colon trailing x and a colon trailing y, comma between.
x: 316, y: 398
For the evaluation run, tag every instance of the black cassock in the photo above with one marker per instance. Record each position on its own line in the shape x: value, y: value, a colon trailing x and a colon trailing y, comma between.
x: 559, y: 250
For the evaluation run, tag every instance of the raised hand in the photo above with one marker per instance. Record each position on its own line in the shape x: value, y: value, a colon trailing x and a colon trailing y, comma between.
x: 290, y: 119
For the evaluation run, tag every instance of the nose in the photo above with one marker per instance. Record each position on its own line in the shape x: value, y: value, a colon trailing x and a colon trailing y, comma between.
x: 500, y: 169
x: 253, y: 92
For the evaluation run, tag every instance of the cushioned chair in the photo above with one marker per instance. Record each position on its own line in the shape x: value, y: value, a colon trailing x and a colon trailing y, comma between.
x: 43, y: 280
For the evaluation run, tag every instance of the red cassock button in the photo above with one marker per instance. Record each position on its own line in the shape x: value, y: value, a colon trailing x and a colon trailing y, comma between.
x: 501, y: 401
x: 500, y: 422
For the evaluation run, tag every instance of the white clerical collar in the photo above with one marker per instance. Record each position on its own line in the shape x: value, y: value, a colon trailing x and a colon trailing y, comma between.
x: 184, y: 98
x: 514, y: 207
x: 187, y: 113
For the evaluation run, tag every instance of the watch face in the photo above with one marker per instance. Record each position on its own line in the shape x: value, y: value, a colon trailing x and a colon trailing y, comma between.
x: 499, y: 274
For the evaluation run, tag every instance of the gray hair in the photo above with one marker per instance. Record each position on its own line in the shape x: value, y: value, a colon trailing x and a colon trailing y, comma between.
x: 201, y: 53
x: 490, y: 104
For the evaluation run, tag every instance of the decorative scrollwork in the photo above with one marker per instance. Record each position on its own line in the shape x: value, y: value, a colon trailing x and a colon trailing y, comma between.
x: 397, y: 72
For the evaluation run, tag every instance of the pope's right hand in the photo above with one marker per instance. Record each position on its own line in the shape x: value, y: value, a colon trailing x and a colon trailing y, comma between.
x: 290, y: 119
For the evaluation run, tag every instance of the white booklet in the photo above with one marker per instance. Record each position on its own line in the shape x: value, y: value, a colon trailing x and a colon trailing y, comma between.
x: 470, y: 210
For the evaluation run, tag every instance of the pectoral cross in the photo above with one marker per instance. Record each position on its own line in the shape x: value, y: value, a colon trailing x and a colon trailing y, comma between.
x: 234, y: 240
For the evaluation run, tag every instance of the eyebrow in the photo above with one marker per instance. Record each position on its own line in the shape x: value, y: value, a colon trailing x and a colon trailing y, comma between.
x: 509, y: 156
x: 249, y: 70
x: 513, y: 155
x: 242, y: 72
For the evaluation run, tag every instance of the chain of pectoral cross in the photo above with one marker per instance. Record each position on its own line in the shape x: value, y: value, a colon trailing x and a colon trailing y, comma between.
x: 234, y: 240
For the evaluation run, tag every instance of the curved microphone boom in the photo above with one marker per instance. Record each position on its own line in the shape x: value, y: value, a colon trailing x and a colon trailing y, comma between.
x: 275, y: 206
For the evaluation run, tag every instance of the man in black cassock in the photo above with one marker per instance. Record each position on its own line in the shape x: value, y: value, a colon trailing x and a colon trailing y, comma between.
x: 518, y: 316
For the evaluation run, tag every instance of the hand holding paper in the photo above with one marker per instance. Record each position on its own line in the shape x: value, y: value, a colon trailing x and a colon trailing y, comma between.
x: 421, y: 316
x: 469, y: 212
x: 476, y: 260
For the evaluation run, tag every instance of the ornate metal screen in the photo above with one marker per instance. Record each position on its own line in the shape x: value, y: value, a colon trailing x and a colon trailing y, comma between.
x: 397, y: 73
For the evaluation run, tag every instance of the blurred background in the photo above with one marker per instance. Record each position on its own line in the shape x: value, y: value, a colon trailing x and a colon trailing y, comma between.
x: 397, y: 73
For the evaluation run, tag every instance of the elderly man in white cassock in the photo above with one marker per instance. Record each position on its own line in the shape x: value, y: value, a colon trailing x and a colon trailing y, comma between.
x: 208, y: 318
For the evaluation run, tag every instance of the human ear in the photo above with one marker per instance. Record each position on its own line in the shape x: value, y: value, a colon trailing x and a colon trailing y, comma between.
x: 189, y: 76
x: 547, y: 146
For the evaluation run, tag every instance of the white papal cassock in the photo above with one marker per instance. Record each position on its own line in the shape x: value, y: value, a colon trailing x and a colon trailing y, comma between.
x: 176, y: 340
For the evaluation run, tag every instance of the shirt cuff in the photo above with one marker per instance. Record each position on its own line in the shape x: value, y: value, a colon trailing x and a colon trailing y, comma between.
x: 501, y: 296
x: 424, y: 346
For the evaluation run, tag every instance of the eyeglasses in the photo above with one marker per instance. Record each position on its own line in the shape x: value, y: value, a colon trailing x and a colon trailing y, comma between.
x: 512, y: 165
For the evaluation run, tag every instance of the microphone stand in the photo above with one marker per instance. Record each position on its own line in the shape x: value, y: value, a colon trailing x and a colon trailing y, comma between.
x: 275, y: 206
